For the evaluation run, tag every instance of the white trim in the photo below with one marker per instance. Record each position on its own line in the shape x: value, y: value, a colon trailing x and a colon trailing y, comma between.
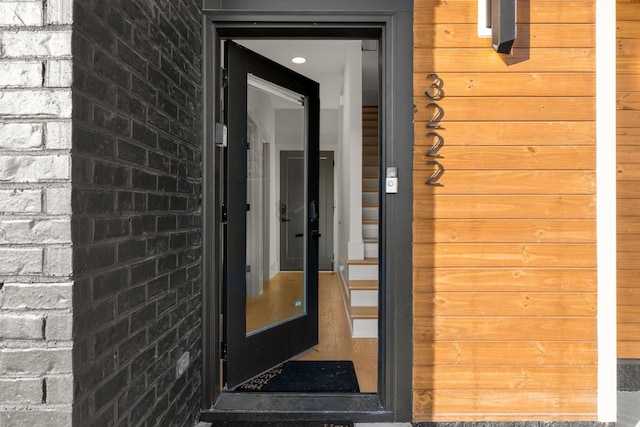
x: 606, y: 207
x: 483, y: 30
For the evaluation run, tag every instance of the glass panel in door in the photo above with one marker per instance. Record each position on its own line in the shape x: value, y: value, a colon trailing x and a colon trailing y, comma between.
x: 275, y: 295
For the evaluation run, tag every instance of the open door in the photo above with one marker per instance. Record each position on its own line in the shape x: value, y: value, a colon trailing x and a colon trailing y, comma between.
x: 270, y: 315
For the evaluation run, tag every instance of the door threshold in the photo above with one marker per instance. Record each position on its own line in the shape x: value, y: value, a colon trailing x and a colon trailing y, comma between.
x: 360, y: 407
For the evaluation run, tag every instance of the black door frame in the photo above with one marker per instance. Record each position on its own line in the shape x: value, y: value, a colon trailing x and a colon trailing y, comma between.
x: 390, y: 21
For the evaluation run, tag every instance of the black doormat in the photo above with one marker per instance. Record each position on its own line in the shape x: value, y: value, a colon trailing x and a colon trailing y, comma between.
x: 306, y: 376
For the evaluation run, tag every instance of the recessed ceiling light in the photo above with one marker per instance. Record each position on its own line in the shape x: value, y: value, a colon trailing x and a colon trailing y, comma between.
x: 298, y: 60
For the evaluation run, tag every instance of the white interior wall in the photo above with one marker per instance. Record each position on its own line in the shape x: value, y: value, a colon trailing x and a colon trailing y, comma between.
x: 370, y: 80
x: 263, y: 113
x: 350, y: 159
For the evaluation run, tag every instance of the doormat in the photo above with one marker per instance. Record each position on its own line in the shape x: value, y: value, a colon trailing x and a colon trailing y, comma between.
x: 306, y: 376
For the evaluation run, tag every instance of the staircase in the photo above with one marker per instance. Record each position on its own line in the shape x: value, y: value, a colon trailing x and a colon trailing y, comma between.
x: 360, y: 286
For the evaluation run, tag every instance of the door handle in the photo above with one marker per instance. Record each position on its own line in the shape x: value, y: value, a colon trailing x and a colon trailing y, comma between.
x: 315, y: 234
x: 299, y: 234
x: 283, y: 213
x: 313, y: 211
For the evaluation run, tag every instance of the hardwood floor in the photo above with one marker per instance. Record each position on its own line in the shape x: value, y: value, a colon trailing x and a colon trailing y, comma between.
x: 277, y: 302
x: 335, y: 337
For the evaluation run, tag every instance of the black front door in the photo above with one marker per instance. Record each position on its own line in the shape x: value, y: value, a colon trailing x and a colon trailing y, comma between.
x: 270, y: 314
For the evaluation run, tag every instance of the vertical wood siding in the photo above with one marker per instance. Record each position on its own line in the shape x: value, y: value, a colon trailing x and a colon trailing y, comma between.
x: 628, y: 116
x: 505, y: 250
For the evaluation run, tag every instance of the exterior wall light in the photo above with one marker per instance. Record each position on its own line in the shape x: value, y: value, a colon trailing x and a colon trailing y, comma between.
x: 497, y: 19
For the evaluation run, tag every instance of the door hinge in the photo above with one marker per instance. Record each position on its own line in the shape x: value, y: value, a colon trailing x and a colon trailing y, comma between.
x: 220, y: 135
x: 223, y: 350
x: 223, y: 214
x: 224, y: 77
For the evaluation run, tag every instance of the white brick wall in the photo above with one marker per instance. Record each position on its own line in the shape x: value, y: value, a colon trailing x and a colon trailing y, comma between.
x: 21, y: 73
x: 28, y: 44
x: 18, y: 296
x: 36, y: 318
x: 20, y: 201
x: 25, y: 103
x: 17, y: 168
x: 20, y: 136
x: 17, y: 13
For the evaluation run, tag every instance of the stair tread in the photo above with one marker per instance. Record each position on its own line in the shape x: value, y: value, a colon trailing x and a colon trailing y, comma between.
x: 361, y: 312
x: 370, y: 222
x: 369, y: 205
x: 371, y: 240
x: 366, y: 261
x: 363, y: 285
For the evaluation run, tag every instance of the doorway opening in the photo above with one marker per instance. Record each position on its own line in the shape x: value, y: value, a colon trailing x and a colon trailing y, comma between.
x: 348, y: 74
x: 391, y: 27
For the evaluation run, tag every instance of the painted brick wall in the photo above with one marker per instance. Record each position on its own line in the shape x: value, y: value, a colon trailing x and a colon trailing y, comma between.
x: 136, y: 203
x: 36, y: 382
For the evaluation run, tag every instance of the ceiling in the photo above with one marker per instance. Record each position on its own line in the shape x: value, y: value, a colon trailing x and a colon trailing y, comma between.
x: 325, y: 62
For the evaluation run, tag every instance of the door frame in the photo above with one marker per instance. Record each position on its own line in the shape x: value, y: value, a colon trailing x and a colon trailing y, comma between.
x: 390, y: 21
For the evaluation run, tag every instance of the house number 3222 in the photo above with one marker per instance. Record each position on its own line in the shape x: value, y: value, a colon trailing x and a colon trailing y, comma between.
x: 435, y: 92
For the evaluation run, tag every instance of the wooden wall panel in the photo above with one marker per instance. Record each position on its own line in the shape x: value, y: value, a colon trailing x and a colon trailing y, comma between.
x: 628, y: 194
x: 505, y: 273
x: 509, y: 206
x: 469, y: 280
x: 513, y: 84
x: 534, y: 35
x: 512, y: 133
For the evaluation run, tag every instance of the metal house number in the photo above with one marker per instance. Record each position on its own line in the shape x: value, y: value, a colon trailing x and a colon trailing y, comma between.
x: 435, y: 92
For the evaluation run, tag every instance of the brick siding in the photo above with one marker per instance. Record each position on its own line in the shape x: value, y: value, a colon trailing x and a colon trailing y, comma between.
x: 35, y: 213
x: 136, y: 211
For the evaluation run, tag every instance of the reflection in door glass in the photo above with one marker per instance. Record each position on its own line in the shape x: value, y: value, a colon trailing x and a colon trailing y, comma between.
x: 276, y: 208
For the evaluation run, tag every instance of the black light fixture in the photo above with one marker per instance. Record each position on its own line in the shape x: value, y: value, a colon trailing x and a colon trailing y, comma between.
x: 501, y: 18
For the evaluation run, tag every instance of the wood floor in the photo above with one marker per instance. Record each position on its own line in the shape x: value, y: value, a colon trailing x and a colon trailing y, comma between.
x: 335, y: 342
x: 280, y: 300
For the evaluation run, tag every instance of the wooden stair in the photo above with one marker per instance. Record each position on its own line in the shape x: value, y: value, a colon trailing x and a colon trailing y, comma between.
x: 361, y: 304
x: 360, y: 283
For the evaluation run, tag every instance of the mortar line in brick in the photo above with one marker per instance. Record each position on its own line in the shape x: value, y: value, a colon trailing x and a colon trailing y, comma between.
x: 44, y: 390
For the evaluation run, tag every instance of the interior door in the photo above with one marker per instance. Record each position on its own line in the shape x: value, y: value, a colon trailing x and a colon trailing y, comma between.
x: 291, y: 214
x: 270, y: 315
